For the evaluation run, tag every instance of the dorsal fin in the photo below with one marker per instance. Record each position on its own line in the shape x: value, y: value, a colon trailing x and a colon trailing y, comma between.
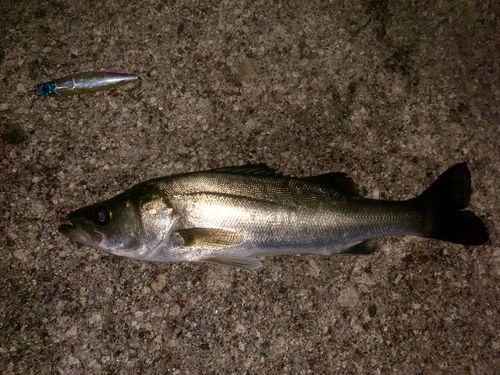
x: 336, y: 180
x: 251, y: 169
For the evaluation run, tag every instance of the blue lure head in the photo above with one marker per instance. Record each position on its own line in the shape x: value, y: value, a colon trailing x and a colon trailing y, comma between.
x: 45, y: 89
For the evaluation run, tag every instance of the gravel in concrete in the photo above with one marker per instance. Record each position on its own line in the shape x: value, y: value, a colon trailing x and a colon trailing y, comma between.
x: 392, y: 92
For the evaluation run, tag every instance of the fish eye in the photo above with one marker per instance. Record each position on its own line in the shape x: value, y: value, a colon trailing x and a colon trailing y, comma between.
x: 102, y: 215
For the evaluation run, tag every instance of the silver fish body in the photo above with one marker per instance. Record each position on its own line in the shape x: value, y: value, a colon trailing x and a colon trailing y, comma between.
x: 233, y: 215
x: 84, y: 83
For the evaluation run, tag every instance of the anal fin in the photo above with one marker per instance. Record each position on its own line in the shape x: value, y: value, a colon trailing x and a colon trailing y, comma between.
x: 246, y: 263
x: 362, y: 248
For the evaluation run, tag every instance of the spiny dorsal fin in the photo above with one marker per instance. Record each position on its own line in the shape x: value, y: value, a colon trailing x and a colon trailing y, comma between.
x: 362, y: 248
x: 209, y: 238
x: 247, y: 263
x: 336, y: 180
x: 251, y: 169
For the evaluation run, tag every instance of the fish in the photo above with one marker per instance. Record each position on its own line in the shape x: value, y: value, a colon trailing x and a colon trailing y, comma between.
x: 235, y: 215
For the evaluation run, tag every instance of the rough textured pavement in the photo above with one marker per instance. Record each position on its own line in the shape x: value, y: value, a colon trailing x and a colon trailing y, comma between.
x: 392, y: 92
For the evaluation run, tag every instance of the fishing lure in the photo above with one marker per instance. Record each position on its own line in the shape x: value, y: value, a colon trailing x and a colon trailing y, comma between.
x: 85, y: 83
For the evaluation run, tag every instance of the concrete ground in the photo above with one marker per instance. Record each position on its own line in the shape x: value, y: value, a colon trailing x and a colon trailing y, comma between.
x: 392, y: 92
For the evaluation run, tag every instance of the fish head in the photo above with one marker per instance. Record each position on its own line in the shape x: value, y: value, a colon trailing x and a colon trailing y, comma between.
x: 132, y: 224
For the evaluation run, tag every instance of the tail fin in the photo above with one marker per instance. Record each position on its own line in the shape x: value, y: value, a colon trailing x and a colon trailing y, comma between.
x: 445, y: 199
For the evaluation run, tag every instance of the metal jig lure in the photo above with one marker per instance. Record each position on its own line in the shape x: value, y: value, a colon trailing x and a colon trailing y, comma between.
x: 84, y: 83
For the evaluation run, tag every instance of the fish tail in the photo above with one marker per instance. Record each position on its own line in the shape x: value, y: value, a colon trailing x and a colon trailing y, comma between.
x: 446, y: 200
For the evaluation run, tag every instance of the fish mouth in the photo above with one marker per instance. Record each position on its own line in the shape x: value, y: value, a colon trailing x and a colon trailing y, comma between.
x: 78, y: 235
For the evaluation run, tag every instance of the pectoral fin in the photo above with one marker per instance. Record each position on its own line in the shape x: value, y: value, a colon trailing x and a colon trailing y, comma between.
x: 209, y: 238
x: 247, y: 263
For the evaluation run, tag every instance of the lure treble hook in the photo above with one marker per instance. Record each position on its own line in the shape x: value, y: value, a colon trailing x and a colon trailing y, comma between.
x: 128, y: 92
x: 66, y: 108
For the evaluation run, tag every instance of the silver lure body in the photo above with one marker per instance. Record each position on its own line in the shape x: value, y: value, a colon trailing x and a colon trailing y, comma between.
x: 233, y: 215
x: 84, y: 83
